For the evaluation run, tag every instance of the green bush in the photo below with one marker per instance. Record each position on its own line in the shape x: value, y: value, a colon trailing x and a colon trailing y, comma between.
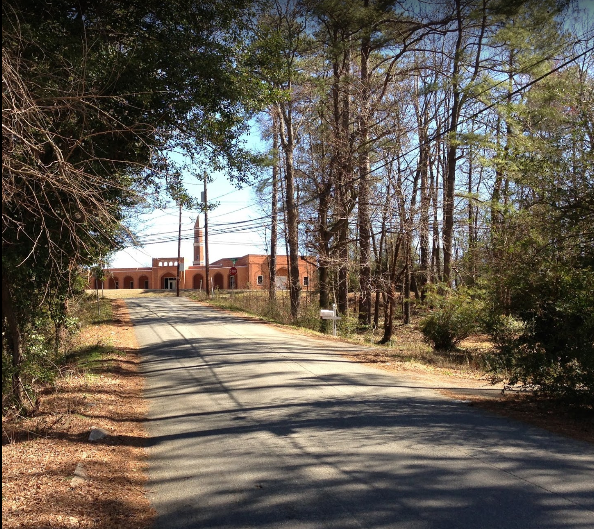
x: 549, y: 346
x: 455, y: 316
x: 504, y: 329
x: 47, y: 344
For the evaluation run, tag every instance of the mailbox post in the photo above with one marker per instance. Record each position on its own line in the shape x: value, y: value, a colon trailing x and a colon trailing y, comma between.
x: 330, y: 315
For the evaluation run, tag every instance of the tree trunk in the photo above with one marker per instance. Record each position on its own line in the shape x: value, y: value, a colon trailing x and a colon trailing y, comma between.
x: 472, y: 240
x: 425, y: 201
x: 274, y: 212
x: 343, y: 172
x: 380, y: 269
x: 452, y: 151
x: 343, y: 279
x: 435, y: 247
x: 364, y: 187
x: 324, y: 247
x: 287, y: 142
x: 14, y: 342
x: 391, y: 296
x: 407, y: 280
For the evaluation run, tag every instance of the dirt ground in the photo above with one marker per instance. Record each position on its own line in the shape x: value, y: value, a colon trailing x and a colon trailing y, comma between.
x: 54, y: 477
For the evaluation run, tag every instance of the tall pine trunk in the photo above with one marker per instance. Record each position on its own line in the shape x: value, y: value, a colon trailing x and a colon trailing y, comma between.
x: 274, y: 207
x: 288, y: 145
x: 452, y: 152
x: 364, y: 187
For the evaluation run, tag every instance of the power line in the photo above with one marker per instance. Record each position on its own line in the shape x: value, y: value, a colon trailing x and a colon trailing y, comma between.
x: 252, y: 225
x: 449, y: 129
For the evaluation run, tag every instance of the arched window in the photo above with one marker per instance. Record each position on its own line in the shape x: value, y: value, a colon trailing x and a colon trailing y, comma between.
x: 218, y: 281
x: 198, y: 282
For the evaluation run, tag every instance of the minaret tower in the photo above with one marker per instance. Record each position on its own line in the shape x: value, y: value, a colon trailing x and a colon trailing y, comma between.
x: 198, y: 244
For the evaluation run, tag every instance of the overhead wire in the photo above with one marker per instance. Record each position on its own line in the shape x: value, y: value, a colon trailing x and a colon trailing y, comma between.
x: 252, y: 225
x: 442, y: 133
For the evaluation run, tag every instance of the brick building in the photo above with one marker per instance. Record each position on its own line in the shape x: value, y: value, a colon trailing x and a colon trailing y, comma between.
x: 251, y: 271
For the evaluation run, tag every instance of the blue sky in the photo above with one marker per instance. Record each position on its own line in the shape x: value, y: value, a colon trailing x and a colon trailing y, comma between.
x: 237, y: 225
x: 159, y: 229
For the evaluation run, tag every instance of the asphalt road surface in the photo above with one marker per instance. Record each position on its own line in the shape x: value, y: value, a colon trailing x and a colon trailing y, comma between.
x: 253, y: 427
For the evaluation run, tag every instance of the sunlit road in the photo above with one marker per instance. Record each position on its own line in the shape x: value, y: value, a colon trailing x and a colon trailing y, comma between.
x: 253, y: 427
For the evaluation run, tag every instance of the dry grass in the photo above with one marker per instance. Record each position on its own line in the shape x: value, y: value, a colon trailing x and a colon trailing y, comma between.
x: 122, y: 293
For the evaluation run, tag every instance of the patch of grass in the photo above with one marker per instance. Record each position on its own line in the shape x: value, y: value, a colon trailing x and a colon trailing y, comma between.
x: 87, y: 352
x: 407, y: 344
x: 92, y: 311
x: 257, y: 303
x: 88, y: 359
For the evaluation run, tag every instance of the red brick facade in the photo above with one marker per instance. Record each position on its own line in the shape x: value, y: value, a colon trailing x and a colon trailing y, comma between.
x: 252, y: 272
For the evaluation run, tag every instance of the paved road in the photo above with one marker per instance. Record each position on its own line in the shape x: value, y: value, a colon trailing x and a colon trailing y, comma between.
x: 251, y: 427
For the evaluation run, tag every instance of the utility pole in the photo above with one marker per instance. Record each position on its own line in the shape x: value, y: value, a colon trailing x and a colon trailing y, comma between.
x: 207, y: 271
x: 178, y: 251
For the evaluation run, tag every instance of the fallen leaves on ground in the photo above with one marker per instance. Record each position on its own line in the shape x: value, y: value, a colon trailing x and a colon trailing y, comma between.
x: 40, y: 454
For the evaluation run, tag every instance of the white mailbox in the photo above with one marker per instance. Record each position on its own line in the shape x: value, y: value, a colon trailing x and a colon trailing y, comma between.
x: 330, y: 315
x: 327, y: 314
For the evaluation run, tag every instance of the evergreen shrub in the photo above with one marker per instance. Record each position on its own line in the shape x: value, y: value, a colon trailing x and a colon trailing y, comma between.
x: 455, y: 316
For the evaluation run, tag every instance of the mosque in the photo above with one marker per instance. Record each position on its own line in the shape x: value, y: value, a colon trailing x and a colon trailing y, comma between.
x: 250, y: 271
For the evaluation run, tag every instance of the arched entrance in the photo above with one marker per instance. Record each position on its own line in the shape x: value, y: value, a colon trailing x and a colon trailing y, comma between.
x: 113, y: 283
x: 168, y: 282
x: 143, y: 282
x: 198, y: 282
x: 128, y: 282
x: 218, y: 281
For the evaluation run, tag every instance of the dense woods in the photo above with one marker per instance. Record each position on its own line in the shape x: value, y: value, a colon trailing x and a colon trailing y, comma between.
x: 432, y: 158
x: 438, y: 157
